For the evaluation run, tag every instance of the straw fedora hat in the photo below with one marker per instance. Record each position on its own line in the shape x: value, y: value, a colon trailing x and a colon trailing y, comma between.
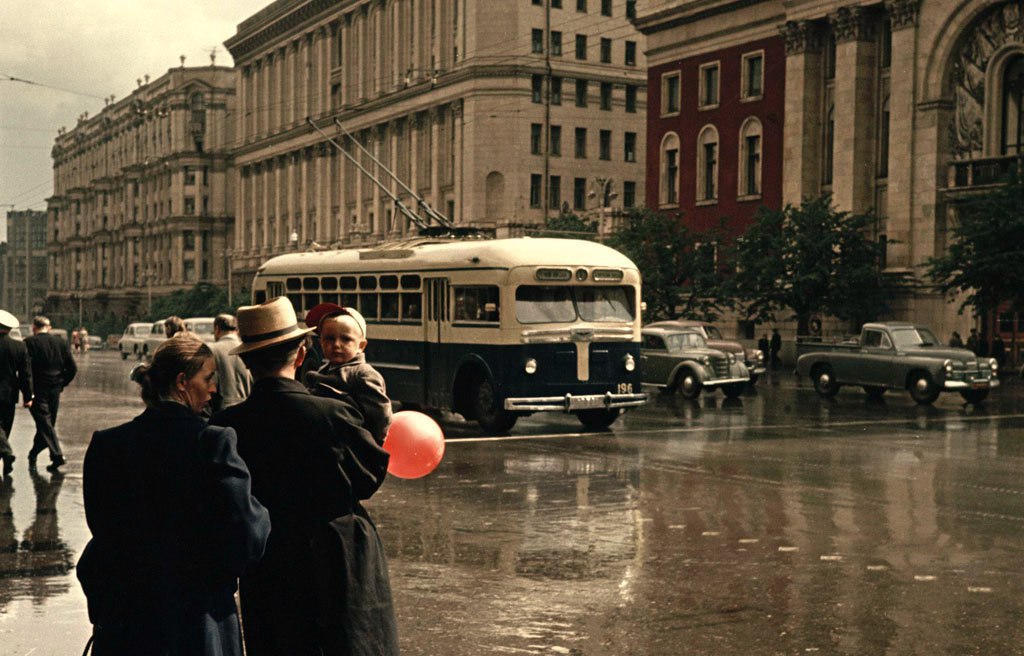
x: 8, y: 320
x: 266, y: 324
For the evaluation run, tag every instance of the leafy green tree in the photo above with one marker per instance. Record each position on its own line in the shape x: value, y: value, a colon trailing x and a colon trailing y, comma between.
x: 202, y: 300
x: 677, y: 265
x: 808, y: 259
x: 569, y: 226
x: 986, y: 249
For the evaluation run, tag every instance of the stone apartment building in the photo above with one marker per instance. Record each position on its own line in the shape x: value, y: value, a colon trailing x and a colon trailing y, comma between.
x: 143, y: 196
x: 496, y: 113
x: 25, y: 266
x: 899, y: 107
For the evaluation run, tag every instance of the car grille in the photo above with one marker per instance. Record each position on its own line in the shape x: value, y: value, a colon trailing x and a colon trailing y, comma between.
x: 720, y: 366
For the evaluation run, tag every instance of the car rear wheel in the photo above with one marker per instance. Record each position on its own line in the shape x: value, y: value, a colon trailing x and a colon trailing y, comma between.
x: 124, y: 356
x: 598, y: 419
x: 874, y: 392
x: 974, y: 396
x: 487, y: 406
x: 923, y: 389
x: 733, y: 390
x: 688, y: 384
x: 825, y: 381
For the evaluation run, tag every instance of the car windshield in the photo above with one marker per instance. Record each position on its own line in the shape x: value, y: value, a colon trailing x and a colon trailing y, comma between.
x: 683, y: 341
x: 203, y: 327
x: 712, y: 332
x: 909, y: 337
x: 564, y: 304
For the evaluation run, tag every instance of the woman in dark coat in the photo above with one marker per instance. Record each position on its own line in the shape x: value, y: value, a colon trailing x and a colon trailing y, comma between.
x: 173, y: 520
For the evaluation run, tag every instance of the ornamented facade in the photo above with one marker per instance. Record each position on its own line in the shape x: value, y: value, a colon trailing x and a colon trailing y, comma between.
x: 496, y: 113
x: 142, y: 203
x: 898, y: 107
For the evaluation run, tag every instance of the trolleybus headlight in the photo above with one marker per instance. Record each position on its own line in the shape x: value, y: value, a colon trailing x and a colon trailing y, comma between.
x: 581, y: 274
x: 948, y: 366
x: 992, y: 362
x: 530, y: 366
x: 628, y: 362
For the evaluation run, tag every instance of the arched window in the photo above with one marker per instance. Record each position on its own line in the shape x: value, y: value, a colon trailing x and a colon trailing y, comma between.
x: 750, y: 158
x: 1012, y: 137
x: 669, y: 182
x: 707, y: 164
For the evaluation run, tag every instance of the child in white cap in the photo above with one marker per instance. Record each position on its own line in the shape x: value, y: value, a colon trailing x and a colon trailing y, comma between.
x: 342, y: 333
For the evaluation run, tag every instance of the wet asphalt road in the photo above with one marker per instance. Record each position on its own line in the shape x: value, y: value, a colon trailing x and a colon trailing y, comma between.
x: 777, y: 524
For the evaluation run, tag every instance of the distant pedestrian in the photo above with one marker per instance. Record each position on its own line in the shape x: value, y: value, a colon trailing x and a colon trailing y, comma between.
x: 53, y: 369
x: 76, y: 342
x: 15, y: 377
x: 233, y: 379
x: 173, y: 325
x: 83, y: 340
x: 764, y: 345
x: 776, y: 346
x: 999, y: 350
x: 173, y: 520
x: 972, y: 341
x: 955, y: 341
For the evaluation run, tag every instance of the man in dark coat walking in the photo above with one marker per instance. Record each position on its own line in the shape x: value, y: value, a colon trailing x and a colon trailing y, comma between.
x: 15, y: 376
x: 322, y: 586
x: 53, y: 369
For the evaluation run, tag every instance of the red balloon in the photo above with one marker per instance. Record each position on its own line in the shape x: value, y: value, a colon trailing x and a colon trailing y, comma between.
x: 416, y: 444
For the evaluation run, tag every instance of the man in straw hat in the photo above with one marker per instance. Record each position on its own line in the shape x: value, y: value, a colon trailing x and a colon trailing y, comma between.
x: 15, y: 376
x: 322, y: 586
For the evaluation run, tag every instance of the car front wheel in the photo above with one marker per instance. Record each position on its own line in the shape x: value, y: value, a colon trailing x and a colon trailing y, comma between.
x: 688, y: 384
x: 487, y: 406
x: 923, y: 389
x: 825, y: 382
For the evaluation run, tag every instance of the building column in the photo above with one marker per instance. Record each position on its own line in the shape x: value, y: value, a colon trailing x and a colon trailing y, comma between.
x: 377, y: 148
x: 323, y: 186
x: 415, y: 124
x: 291, y: 222
x: 436, y: 154
x: 900, y: 192
x: 265, y: 172
x: 458, y: 108
x: 855, y: 104
x: 341, y: 220
x: 243, y: 111
x: 345, y: 34
x: 801, y: 174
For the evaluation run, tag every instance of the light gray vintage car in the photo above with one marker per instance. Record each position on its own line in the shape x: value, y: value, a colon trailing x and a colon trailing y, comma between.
x: 898, y: 355
x: 678, y: 359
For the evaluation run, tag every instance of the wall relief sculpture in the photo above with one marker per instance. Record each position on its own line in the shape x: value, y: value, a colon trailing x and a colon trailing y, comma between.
x: 998, y: 26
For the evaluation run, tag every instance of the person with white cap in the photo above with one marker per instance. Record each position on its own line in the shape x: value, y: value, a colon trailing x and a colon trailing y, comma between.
x: 322, y: 586
x: 343, y: 339
x: 15, y: 377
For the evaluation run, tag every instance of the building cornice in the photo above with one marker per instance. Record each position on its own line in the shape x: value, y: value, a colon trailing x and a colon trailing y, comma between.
x: 277, y: 20
x: 803, y: 36
x: 689, y: 12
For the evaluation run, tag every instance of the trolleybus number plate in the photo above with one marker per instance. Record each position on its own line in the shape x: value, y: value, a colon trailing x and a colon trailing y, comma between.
x: 587, y: 401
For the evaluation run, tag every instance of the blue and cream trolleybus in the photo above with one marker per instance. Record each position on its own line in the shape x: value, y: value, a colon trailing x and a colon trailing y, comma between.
x: 493, y: 329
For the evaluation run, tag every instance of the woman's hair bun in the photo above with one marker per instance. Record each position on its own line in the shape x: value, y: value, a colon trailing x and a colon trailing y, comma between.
x: 139, y: 373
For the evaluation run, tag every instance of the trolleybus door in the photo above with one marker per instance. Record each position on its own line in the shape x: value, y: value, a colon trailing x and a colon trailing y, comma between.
x: 435, y: 369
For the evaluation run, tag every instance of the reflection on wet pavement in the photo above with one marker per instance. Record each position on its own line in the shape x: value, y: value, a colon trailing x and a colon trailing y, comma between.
x: 777, y: 523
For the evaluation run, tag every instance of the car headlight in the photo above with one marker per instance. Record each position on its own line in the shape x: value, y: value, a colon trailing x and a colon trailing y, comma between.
x: 706, y: 361
x: 992, y: 362
x: 732, y: 358
x: 628, y: 362
x: 530, y: 366
x: 948, y: 366
x: 760, y: 355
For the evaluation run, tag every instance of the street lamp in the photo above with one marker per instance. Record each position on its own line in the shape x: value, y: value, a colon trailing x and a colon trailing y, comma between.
x: 293, y: 239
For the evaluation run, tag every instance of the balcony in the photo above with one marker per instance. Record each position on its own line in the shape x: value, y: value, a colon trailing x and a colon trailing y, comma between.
x: 975, y: 175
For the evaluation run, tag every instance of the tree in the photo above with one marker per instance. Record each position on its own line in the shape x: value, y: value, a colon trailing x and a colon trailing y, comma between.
x: 808, y: 259
x: 569, y: 226
x: 677, y: 265
x: 202, y: 300
x: 983, y: 262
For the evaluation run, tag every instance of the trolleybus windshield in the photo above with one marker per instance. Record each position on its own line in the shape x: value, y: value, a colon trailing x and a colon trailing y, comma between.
x: 565, y: 304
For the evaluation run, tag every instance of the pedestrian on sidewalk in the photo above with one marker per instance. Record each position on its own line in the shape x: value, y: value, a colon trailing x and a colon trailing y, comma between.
x: 15, y: 377
x: 776, y: 346
x: 172, y: 516
x: 323, y: 586
x: 233, y: 379
x: 53, y: 369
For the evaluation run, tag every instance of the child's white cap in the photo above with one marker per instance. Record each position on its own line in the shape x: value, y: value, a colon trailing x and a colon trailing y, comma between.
x: 316, y: 316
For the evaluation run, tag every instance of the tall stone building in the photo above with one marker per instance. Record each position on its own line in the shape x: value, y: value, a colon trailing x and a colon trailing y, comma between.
x: 25, y: 264
x: 496, y: 113
x: 900, y: 107
x: 142, y: 202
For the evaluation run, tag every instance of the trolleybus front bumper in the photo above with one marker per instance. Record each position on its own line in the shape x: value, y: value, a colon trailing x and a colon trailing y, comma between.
x: 573, y: 402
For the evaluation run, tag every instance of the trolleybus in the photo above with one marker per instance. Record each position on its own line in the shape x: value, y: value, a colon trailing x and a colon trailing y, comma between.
x: 492, y: 329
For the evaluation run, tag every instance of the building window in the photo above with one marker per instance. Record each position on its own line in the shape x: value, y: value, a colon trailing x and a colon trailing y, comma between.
x: 555, y: 141
x: 1012, y: 132
x: 581, y: 143
x: 606, y: 96
x: 707, y: 164
x: 537, y: 86
x: 883, y: 140
x: 605, y: 144
x: 630, y: 99
x: 669, y: 94
x: 190, y: 178
x: 750, y: 158
x: 190, y: 271
x: 606, y: 51
x: 579, y: 193
x: 556, y: 4
x: 556, y: 43
x: 828, y: 142
x: 536, y: 184
x: 709, y: 86
x: 556, y: 91
x: 581, y: 46
x: 554, y: 192
x: 628, y: 194
x: 631, y: 9
x: 190, y: 205
x: 581, y: 5
x: 630, y: 53
x: 629, y: 147
x: 581, y: 93
x: 537, y: 41
x: 606, y: 7
x: 536, y: 135
x: 753, y: 76
x: 669, y: 170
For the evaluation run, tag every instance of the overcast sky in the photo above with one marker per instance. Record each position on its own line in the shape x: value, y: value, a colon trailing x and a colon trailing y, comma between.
x: 93, y: 48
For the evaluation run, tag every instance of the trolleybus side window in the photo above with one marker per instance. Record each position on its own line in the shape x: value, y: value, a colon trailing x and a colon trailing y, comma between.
x: 476, y: 304
x: 412, y: 299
